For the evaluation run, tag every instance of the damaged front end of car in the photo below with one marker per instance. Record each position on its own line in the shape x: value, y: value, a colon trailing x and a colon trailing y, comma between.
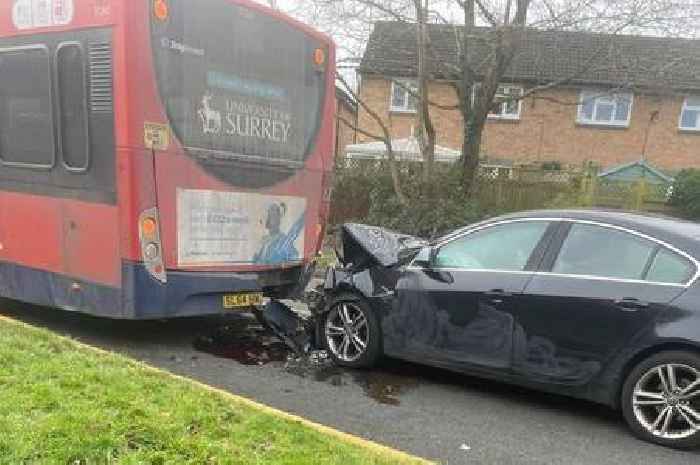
x: 358, y: 292
x: 369, y: 259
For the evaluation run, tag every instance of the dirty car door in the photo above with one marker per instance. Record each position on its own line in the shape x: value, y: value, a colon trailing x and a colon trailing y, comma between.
x: 452, y: 311
x: 604, y: 287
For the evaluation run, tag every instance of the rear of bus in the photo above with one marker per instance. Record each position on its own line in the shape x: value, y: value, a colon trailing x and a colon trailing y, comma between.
x: 233, y: 110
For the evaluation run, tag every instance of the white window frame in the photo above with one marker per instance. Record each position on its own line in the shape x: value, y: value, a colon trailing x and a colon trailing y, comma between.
x: 600, y: 94
x: 405, y: 107
x: 503, y: 115
x: 685, y: 107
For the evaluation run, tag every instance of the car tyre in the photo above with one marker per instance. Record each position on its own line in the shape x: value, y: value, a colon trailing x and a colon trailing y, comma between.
x: 346, y: 315
x: 661, y: 399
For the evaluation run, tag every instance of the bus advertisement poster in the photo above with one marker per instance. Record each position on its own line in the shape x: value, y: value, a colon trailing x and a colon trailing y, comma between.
x: 222, y: 228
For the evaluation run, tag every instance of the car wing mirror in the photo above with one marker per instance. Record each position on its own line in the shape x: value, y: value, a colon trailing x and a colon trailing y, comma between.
x: 426, y: 260
x: 423, y: 258
x: 440, y: 275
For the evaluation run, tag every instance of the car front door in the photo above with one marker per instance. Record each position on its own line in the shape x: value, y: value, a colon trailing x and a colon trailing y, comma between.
x: 601, y: 285
x: 451, y: 310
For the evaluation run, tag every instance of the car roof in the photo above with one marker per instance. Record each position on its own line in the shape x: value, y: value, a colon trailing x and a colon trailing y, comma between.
x: 682, y: 234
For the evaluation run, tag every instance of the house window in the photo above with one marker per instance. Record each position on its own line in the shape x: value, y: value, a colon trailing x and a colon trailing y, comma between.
x: 507, y: 103
x: 598, y: 108
x: 690, y: 116
x: 401, y: 99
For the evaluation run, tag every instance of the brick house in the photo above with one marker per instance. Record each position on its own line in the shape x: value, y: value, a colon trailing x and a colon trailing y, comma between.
x: 626, y: 97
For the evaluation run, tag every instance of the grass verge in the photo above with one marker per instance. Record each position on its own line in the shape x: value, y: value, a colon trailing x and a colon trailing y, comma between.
x: 64, y: 403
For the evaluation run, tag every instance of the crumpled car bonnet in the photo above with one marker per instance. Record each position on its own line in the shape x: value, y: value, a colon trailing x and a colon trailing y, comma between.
x: 361, y: 245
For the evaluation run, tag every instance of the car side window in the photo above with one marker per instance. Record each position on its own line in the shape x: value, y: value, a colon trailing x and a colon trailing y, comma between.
x: 592, y: 250
x: 669, y: 267
x: 504, y: 247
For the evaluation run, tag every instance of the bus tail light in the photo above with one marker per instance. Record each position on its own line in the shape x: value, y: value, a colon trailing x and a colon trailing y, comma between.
x: 161, y: 9
x: 320, y: 228
x: 151, y: 249
x: 319, y: 57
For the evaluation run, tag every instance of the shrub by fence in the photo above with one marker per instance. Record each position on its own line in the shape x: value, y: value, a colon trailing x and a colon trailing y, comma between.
x: 686, y: 194
x: 363, y: 193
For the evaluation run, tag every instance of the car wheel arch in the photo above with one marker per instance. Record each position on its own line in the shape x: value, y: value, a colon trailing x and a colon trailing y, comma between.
x: 645, y: 353
x: 344, y: 291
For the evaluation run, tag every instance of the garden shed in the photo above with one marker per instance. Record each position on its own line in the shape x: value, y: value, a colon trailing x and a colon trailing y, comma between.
x: 635, y: 171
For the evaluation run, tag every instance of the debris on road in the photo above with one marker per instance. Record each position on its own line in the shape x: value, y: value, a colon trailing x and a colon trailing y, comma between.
x: 249, y: 342
x: 294, y: 331
x: 316, y: 364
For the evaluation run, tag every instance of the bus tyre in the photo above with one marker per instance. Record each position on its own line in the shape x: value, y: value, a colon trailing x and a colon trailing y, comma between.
x: 350, y: 332
x: 661, y: 399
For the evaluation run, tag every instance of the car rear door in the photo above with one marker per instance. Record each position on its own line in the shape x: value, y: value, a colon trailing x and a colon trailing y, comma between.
x: 598, y: 287
x: 454, y: 311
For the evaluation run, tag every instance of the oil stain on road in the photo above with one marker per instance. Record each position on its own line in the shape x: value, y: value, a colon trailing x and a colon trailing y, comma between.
x: 249, y: 343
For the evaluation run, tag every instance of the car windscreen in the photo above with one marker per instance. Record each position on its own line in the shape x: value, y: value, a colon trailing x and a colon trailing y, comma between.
x: 238, y: 82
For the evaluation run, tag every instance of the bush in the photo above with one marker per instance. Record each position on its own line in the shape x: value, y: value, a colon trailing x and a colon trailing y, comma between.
x: 686, y: 194
x: 364, y: 193
x: 433, y: 209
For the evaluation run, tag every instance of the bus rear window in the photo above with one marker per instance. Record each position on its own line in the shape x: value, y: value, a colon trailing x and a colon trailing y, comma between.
x: 26, y: 123
x: 238, y: 82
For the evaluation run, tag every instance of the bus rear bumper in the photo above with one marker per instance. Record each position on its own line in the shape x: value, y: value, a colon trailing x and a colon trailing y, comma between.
x: 201, y: 293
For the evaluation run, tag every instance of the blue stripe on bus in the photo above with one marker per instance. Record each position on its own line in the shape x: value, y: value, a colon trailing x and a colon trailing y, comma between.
x: 186, y: 294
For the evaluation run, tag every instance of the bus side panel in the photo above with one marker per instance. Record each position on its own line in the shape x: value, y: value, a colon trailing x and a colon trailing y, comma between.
x: 31, y: 230
x: 59, y: 232
x: 33, y: 258
x: 91, y: 243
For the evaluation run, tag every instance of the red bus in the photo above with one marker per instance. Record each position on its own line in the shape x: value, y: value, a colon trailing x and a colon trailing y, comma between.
x: 160, y: 158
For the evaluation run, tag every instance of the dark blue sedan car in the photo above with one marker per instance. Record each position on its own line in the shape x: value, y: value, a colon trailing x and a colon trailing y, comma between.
x: 598, y: 305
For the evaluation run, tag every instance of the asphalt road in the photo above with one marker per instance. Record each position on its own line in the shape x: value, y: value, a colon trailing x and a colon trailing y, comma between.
x: 454, y: 419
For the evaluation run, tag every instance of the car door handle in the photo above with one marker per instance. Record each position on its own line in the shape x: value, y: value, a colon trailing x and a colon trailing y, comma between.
x: 498, y: 293
x: 630, y: 304
x: 496, y: 296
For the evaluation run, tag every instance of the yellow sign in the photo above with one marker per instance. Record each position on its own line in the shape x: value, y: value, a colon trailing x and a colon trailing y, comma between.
x: 156, y: 136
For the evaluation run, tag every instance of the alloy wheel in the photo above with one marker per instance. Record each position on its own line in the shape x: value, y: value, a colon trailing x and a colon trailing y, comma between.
x: 347, y: 332
x: 666, y: 401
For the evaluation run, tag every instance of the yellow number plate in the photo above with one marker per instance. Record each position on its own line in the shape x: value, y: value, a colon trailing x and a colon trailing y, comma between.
x: 248, y: 299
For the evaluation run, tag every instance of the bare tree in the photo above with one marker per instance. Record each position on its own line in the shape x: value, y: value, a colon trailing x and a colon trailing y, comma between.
x: 358, y: 18
x: 426, y: 130
x: 506, y: 22
x: 384, y: 137
x: 477, y: 91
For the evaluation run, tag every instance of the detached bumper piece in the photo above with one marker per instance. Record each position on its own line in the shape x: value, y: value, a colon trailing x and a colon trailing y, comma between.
x: 286, y: 324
